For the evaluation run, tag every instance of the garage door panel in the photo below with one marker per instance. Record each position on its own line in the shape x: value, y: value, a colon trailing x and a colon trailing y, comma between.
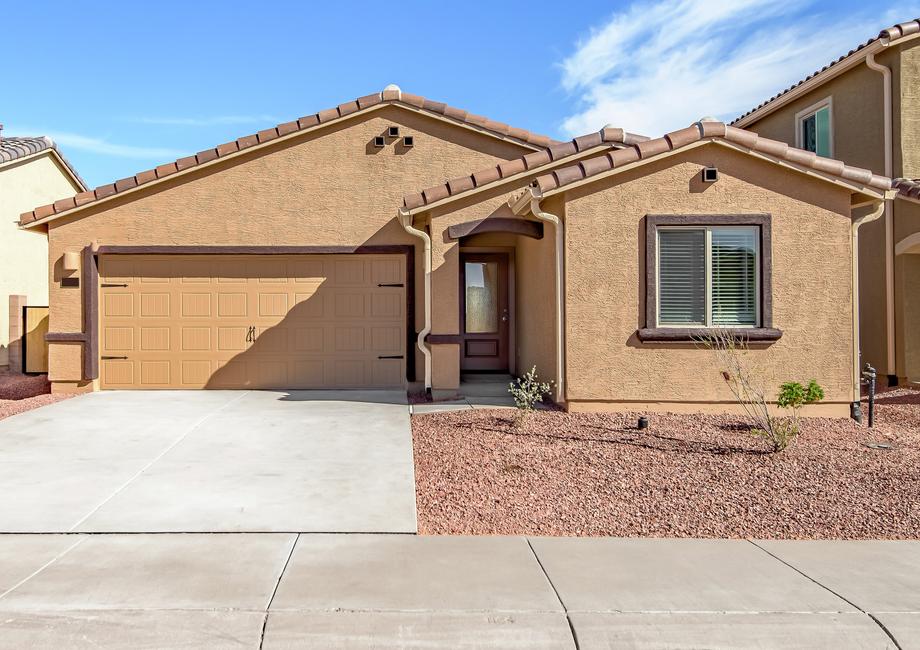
x: 153, y: 305
x: 249, y: 322
x: 154, y: 339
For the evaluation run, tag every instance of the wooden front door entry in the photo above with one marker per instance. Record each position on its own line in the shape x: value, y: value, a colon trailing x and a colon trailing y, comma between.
x: 484, y: 314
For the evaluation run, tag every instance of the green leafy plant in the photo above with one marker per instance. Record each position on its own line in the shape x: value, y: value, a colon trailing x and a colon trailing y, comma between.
x: 527, y: 391
x: 730, y: 350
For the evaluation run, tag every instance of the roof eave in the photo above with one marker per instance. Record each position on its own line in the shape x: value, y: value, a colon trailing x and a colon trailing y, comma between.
x: 853, y: 187
x: 282, y: 138
x: 820, y: 78
x: 535, y: 171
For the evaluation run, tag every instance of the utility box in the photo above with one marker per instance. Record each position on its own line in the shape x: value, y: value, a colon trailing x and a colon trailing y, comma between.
x: 34, y: 345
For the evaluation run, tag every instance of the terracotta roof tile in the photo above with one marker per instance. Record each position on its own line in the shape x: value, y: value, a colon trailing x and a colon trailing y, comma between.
x: 122, y: 185
x: 266, y: 135
x: 227, y: 148
x: 609, y: 136
x: 907, y: 188
x: 206, y: 156
x: 288, y: 127
x: 185, y: 163
x: 485, y: 176
x: 718, y: 131
x: 460, y: 184
x: 84, y: 197
x: 533, y: 160
x: 516, y: 166
x: 146, y: 176
x: 886, y: 36
x: 165, y: 170
x: 10, y: 147
x: 64, y: 204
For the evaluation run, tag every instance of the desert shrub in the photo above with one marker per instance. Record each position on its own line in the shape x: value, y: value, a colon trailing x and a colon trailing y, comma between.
x: 779, y: 432
x: 527, y: 391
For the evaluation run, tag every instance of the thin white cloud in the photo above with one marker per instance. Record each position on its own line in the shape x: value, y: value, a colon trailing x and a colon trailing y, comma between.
x: 216, y: 120
x: 655, y: 68
x: 101, y: 146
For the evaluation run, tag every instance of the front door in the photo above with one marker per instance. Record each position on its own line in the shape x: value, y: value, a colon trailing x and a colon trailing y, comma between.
x: 484, y: 317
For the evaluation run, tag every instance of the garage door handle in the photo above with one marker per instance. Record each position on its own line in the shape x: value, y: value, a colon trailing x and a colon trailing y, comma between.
x: 394, y: 356
x: 104, y: 357
x: 393, y: 284
x: 112, y: 284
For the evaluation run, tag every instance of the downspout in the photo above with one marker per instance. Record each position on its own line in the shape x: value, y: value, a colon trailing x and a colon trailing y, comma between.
x: 560, y: 302
x: 875, y: 214
x: 889, y: 216
x: 406, y: 220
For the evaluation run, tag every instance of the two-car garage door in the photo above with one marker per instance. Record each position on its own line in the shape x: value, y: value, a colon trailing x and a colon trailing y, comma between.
x: 253, y: 321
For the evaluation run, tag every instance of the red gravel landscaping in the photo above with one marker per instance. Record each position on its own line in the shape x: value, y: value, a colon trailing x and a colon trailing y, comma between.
x: 687, y: 476
x: 19, y: 393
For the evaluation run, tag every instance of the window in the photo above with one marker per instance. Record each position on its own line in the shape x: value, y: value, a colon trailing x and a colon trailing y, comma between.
x: 708, y: 276
x: 814, y: 132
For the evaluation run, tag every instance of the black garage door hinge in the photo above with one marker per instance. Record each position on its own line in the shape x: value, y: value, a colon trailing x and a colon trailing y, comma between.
x: 394, y: 356
x: 392, y: 284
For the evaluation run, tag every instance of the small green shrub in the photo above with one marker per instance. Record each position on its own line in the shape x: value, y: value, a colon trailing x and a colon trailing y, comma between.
x: 527, y: 391
x: 730, y: 350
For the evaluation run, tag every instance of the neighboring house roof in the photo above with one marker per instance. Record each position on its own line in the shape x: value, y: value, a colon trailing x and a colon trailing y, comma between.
x: 612, y: 137
x: 907, y: 188
x: 854, y: 177
x: 885, y: 38
x: 390, y: 95
x: 15, y: 147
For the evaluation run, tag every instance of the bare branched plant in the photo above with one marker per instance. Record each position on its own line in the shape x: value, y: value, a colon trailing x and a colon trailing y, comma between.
x: 730, y: 351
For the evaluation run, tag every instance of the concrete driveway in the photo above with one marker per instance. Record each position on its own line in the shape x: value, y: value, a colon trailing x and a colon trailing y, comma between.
x: 210, y: 461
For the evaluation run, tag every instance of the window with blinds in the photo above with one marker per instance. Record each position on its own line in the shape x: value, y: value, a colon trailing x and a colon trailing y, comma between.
x: 708, y: 276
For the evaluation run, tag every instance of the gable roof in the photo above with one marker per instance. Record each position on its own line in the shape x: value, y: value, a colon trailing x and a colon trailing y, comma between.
x: 885, y: 38
x: 14, y: 148
x: 907, y: 188
x: 390, y: 95
x: 861, y: 180
x: 556, y: 153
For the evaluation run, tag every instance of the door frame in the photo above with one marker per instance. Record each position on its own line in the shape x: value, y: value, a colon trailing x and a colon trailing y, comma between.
x: 89, y: 279
x: 512, y: 301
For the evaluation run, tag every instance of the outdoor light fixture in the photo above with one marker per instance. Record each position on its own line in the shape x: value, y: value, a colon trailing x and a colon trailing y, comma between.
x: 379, y: 142
x: 393, y: 131
x: 643, y: 423
x: 71, y: 261
x: 710, y: 174
x: 408, y: 141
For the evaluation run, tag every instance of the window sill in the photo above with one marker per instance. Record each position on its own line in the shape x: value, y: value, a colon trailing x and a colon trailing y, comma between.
x: 693, y: 334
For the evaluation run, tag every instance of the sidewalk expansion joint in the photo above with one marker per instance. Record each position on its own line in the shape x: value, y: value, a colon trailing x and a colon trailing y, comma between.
x: 275, y: 590
x: 555, y: 591
x: 826, y: 588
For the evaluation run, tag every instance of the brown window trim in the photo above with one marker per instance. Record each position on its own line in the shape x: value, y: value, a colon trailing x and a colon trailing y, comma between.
x: 764, y: 332
x: 90, y: 283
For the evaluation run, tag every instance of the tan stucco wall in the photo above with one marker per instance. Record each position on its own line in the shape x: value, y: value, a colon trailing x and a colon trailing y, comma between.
x: 907, y: 291
x: 859, y: 140
x: 906, y: 93
x: 605, y: 302
x: 331, y: 187
x: 25, y: 184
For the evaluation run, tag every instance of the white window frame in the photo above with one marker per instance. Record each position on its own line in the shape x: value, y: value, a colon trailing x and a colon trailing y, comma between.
x: 801, y: 116
x: 707, y: 252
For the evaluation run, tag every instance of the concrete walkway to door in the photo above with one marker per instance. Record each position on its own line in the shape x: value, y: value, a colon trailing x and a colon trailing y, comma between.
x: 210, y: 461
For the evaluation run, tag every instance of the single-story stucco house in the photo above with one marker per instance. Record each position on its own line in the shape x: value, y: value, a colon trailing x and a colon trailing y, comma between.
x: 32, y: 171
x: 305, y: 256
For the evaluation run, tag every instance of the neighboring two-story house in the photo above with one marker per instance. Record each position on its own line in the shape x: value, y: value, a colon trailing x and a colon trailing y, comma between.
x: 864, y: 109
x: 32, y: 172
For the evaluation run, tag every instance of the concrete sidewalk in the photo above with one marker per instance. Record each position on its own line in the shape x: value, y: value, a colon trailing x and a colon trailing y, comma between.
x: 395, y: 591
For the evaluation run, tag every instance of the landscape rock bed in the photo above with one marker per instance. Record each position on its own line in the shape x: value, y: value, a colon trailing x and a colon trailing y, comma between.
x: 19, y: 393
x: 686, y: 476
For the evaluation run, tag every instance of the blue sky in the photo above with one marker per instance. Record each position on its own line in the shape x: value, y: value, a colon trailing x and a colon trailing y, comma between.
x: 125, y: 86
